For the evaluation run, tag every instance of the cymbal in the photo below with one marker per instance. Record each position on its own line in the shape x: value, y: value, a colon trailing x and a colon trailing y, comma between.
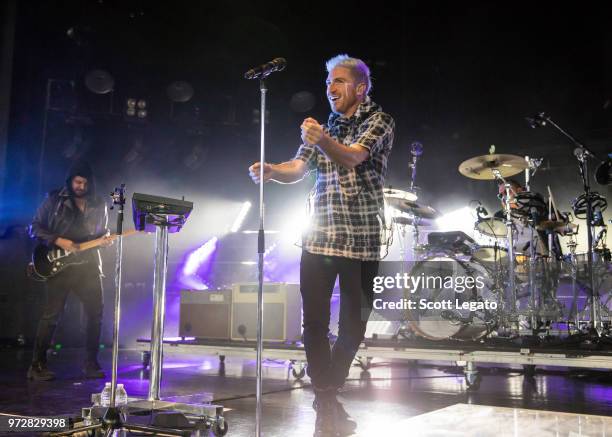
x: 481, y: 167
x: 413, y: 208
x: 399, y: 194
x: 557, y: 226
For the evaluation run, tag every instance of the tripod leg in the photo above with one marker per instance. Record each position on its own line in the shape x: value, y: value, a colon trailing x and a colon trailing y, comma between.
x: 168, y: 432
x: 77, y: 430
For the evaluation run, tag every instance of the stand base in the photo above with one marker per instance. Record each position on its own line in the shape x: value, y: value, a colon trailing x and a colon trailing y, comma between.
x: 172, y: 419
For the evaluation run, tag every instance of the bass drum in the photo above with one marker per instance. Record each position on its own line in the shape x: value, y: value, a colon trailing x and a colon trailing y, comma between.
x: 436, y: 321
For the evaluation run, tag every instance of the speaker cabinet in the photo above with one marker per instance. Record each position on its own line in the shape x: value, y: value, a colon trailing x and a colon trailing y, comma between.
x: 205, y: 314
x: 282, y: 312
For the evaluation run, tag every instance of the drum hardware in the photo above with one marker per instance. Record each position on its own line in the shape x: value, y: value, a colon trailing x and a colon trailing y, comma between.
x: 510, y: 239
x: 582, y: 154
x: 498, y: 167
x: 415, y: 215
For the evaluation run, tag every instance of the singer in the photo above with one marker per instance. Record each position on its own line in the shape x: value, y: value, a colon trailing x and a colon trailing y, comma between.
x: 349, y: 155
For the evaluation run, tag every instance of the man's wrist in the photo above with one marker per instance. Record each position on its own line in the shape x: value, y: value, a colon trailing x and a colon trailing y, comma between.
x: 325, y: 140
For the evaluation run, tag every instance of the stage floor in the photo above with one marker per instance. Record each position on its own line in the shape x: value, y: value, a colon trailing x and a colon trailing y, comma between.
x: 391, y: 399
x: 463, y: 420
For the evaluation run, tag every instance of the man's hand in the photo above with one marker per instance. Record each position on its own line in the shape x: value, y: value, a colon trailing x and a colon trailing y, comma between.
x: 268, y: 172
x: 67, y: 244
x: 312, y: 131
x: 107, y: 240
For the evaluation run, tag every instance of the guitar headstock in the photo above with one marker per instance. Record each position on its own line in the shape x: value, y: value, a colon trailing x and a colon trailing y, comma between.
x: 118, y: 197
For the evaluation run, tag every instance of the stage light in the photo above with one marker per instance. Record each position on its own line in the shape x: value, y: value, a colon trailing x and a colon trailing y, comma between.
x: 180, y: 91
x: 302, y: 101
x: 297, y: 224
x: 99, y: 82
x: 246, y: 206
x: 135, y: 109
x: 462, y: 219
x: 198, y: 260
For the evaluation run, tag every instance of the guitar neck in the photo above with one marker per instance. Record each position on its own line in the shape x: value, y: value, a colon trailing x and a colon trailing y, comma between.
x: 98, y: 241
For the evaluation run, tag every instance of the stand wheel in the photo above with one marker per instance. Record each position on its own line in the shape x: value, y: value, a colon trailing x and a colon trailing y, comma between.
x: 365, y: 364
x: 145, y: 358
x: 220, y: 430
x: 472, y: 380
x: 529, y: 370
x: 298, y: 374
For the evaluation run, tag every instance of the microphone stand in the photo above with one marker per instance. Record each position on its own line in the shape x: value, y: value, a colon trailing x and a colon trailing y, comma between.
x: 260, y: 252
x: 582, y: 154
x: 261, y: 73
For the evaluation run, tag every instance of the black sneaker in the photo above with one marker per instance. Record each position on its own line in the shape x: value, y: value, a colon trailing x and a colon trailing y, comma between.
x: 325, y: 424
x: 345, y: 425
x: 92, y: 370
x: 39, y: 372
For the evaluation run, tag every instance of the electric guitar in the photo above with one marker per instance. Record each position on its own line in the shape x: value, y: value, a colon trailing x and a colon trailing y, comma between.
x: 48, y: 262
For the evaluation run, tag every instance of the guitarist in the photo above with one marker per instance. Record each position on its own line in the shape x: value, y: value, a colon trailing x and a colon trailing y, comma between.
x: 68, y: 216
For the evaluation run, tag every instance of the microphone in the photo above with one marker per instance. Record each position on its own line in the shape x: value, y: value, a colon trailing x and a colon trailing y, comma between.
x: 266, y: 69
x: 538, y: 120
x: 416, y: 149
x: 481, y: 211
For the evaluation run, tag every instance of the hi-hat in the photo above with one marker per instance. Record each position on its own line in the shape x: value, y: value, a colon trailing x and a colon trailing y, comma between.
x: 412, y: 208
x: 485, y: 167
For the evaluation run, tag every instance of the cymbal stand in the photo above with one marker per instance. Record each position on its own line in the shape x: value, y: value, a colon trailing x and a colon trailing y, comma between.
x: 511, y: 294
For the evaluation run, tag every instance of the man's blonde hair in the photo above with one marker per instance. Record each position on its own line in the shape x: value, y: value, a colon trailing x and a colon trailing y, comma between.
x: 358, y: 68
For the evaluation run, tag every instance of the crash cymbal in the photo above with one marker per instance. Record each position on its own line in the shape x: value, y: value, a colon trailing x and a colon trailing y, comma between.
x: 399, y: 194
x: 413, y: 208
x: 481, y: 167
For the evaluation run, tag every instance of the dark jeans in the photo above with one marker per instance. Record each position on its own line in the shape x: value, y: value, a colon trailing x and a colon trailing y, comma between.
x: 85, y: 282
x: 330, y: 367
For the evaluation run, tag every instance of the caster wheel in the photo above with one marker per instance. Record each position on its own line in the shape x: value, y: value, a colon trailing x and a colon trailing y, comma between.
x: 220, y: 430
x: 365, y: 364
x: 529, y: 370
x: 145, y: 358
x: 298, y: 374
x: 473, y: 381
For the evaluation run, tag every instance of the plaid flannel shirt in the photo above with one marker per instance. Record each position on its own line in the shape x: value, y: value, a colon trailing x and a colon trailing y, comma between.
x: 347, y: 206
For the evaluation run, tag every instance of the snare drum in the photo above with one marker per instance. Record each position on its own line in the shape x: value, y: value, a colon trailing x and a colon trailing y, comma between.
x: 492, y: 227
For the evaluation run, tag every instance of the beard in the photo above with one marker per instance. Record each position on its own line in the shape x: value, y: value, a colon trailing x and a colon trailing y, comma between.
x: 79, y: 194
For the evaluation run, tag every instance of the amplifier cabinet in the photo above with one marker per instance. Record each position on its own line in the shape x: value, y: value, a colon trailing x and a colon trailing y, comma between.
x: 205, y: 314
x: 282, y: 312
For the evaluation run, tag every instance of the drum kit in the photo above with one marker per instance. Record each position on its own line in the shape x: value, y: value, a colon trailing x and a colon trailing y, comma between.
x: 538, y: 290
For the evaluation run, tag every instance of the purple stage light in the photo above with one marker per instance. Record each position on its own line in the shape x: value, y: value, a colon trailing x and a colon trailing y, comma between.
x: 197, y: 266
